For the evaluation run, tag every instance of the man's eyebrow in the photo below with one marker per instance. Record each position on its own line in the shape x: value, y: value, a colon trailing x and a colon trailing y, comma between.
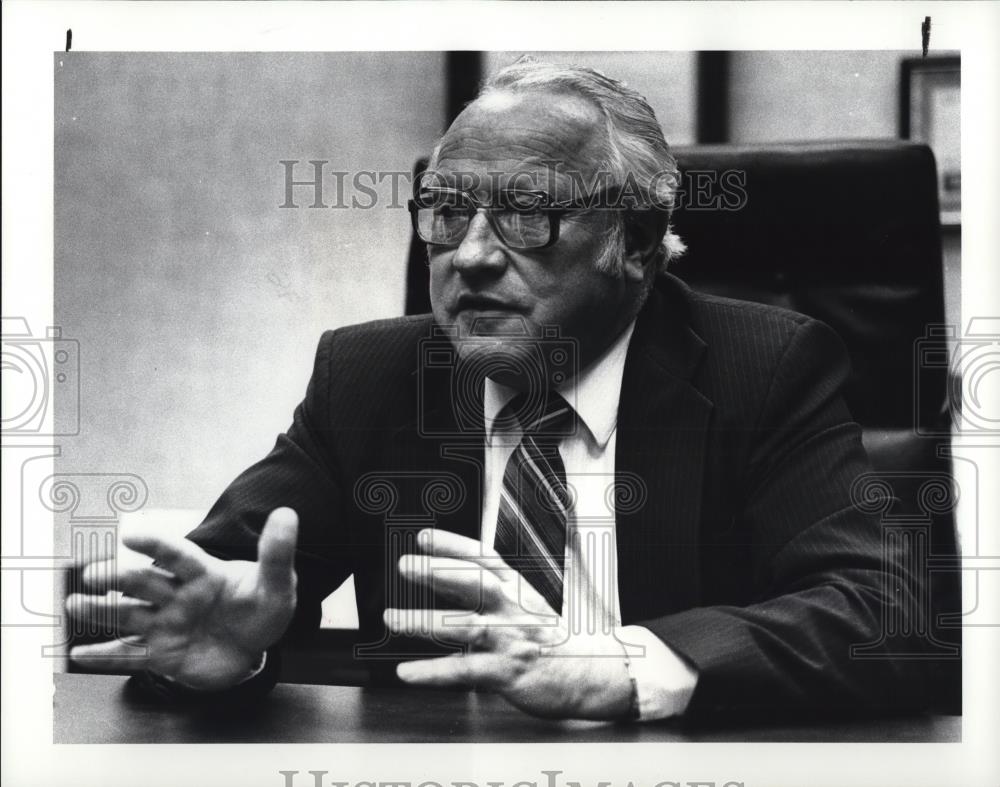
x: 494, y: 196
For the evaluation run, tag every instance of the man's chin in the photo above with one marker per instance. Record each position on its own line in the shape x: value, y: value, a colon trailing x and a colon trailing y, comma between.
x: 496, y: 347
x: 512, y: 363
x: 494, y: 324
x: 507, y: 355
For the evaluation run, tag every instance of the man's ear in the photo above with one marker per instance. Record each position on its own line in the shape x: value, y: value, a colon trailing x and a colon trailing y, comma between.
x: 641, y: 242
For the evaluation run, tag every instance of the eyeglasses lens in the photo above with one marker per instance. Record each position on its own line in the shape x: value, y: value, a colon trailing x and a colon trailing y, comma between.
x: 523, y: 230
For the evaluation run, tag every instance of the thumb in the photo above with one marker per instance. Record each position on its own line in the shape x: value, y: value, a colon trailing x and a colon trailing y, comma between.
x: 276, y: 550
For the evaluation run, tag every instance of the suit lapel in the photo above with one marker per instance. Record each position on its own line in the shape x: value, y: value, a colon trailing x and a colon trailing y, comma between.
x: 662, y: 433
x: 441, y: 454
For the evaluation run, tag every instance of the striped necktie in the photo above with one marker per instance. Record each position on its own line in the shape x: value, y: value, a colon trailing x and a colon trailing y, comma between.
x: 534, y: 500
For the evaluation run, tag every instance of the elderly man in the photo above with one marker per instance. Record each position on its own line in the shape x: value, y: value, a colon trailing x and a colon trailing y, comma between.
x: 578, y: 484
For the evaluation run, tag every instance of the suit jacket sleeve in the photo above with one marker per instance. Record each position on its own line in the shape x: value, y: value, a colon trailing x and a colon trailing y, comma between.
x: 822, y: 581
x: 300, y: 472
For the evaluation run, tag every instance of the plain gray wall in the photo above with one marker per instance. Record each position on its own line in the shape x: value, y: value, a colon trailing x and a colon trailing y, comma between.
x: 787, y: 96
x: 197, y: 301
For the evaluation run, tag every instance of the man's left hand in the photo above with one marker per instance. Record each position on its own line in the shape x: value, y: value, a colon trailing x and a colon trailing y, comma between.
x: 516, y: 644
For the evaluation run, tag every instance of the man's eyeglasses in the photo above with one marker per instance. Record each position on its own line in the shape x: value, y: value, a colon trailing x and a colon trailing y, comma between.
x: 521, y: 218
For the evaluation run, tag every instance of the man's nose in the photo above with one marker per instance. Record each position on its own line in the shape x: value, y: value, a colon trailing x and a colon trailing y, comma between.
x: 480, y: 250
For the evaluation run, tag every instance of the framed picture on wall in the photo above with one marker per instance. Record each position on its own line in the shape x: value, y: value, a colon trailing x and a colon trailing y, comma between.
x: 930, y: 112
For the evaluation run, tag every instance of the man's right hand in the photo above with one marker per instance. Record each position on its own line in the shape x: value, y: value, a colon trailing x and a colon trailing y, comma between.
x: 203, y: 621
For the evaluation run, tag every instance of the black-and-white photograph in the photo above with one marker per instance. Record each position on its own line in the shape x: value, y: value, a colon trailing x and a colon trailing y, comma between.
x: 417, y: 274
x: 520, y: 396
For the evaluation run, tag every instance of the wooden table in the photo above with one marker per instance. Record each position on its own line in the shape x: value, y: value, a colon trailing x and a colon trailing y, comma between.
x: 99, y: 709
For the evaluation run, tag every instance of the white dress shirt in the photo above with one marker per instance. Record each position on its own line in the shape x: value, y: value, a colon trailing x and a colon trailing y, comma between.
x: 664, y: 681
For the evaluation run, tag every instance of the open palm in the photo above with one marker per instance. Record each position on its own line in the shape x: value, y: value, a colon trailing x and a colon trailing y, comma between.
x: 192, y: 617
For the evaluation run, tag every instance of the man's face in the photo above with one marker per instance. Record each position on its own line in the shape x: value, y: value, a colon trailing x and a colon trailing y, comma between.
x: 486, y: 288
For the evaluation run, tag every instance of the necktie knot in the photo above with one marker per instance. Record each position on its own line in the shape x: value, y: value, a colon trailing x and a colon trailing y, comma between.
x: 547, y: 417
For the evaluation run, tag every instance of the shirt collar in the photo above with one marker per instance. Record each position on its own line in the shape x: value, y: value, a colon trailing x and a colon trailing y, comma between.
x: 594, y: 393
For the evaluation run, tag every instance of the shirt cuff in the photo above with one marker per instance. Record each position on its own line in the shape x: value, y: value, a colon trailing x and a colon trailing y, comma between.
x: 664, y: 681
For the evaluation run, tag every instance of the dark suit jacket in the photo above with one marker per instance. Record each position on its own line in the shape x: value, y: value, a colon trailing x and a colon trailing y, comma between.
x: 747, y: 557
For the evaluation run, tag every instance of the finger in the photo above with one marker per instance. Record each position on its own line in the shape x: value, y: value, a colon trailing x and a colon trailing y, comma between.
x: 148, y: 583
x: 102, y: 575
x: 276, y: 551
x: 444, y: 543
x: 128, y: 653
x: 181, y: 557
x: 93, y: 550
x: 464, y: 582
x: 119, y: 559
x: 483, y: 670
x: 450, y: 627
x: 125, y: 615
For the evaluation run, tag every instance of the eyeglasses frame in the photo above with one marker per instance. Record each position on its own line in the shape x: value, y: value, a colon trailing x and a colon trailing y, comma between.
x: 553, y: 210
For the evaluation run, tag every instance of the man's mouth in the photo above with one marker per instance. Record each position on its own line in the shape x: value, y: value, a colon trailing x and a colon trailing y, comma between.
x: 484, y: 303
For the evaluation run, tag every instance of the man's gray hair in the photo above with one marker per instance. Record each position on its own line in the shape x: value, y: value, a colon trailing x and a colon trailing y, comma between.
x: 636, y: 151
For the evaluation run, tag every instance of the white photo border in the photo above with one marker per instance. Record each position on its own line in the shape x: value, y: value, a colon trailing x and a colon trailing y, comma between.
x: 32, y: 31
